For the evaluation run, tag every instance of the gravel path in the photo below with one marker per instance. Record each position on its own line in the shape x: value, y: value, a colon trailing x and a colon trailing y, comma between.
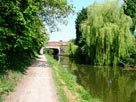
x: 36, y: 85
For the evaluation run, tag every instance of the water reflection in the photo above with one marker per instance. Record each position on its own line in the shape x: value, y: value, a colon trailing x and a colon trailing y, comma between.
x: 63, y: 60
x: 56, y: 57
x: 105, y: 83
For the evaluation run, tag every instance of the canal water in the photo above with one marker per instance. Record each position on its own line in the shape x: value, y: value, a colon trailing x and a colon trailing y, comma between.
x: 108, y: 84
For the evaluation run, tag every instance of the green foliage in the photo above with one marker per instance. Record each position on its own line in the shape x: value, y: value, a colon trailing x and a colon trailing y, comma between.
x: 130, y: 10
x: 84, y: 94
x: 72, y: 49
x: 21, y: 25
x: 49, y: 51
x: 20, y: 62
x: 77, y: 47
x: 130, y: 59
x: 22, y: 31
x: 2, y: 62
x: 6, y: 85
x: 17, y: 64
x: 106, y: 32
x: 55, y: 11
x: 82, y: 15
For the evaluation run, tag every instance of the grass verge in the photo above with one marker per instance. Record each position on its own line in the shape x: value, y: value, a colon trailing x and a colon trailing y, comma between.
x: 67, y: 88
x: 8, y: 83
x: 15, y: 70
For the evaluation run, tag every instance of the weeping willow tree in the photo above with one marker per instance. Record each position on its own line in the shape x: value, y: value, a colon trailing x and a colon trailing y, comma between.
x: 107, y: 33
x: 72, y: 49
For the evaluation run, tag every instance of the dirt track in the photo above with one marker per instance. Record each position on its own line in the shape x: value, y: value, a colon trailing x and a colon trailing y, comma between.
x: 36, y: 85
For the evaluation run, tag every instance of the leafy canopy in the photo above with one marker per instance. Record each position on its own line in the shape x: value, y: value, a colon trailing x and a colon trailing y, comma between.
x: 106, y: 32
x: 130, y: 10
x: 82, y: 15
x: 22, y: 25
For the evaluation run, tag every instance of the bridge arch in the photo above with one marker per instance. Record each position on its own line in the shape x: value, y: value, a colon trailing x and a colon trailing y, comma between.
x: 56, y: 50
x: 55, y: 46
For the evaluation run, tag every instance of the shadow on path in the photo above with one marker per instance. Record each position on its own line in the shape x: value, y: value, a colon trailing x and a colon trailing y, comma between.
x: 36, y: 85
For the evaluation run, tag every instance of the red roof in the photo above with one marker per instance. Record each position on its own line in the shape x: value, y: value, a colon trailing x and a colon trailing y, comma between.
x: 57, y: 43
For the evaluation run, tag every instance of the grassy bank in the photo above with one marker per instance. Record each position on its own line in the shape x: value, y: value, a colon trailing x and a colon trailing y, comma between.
x: 67, y: 88
x: 11, y: 75
x: 8, y: 83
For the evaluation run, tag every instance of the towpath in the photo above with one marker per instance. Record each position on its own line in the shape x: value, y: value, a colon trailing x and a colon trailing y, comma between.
x: 36, y: 85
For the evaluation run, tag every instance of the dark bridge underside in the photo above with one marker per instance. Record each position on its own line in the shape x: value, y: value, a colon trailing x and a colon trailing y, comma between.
x: 55, y: 51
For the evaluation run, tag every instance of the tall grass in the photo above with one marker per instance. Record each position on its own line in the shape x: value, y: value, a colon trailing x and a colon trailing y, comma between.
x: 8, y: 83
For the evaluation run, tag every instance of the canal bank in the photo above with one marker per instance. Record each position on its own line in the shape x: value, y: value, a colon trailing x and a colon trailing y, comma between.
x: 109, y: 84
x: 67, y: 88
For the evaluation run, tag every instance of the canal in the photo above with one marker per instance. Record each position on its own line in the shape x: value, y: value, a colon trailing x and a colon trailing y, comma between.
x: 109, y: 84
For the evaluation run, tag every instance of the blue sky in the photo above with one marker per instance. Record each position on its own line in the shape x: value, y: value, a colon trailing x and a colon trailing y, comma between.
x: 68, y: 31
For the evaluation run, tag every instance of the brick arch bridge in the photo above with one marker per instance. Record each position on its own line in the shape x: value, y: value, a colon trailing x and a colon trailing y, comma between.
x: 55, y: 46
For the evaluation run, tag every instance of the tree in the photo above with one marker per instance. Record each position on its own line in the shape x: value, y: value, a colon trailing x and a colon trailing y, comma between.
x: 22, y: 29
x: 130, y: 10
x: 80, y: 18
x: 107, y: 35
x: 55, y: 11
x: 72, y: 49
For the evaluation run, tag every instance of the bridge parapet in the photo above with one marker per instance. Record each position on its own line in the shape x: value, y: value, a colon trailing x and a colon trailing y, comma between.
x: 61, y: 43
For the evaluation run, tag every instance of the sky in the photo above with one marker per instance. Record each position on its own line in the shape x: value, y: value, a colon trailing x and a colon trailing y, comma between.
x: 68, y: 31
